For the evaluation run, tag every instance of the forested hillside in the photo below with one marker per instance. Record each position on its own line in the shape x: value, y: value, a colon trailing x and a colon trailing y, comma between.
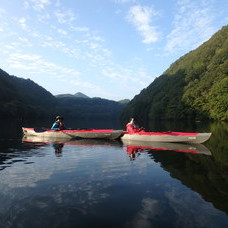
x: 23, y: 98
x: 194, y: 87
x: 92, y: 108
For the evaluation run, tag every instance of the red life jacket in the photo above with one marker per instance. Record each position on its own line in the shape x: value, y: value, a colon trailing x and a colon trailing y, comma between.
x: 131, y: 129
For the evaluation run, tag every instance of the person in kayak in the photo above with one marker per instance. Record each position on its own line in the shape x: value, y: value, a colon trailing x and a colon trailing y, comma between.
x: 58, y: 124
x: 133, y: 128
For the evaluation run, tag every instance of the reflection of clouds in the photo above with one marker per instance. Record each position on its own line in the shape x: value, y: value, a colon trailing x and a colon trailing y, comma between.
x: 190, y: 206
x: 72, y: 184
x: 93, y: 182
x: 174, y: 205
x: 78, y: 164
x: 149, y: 211
x: 83, y: 196
x: 34, y: 169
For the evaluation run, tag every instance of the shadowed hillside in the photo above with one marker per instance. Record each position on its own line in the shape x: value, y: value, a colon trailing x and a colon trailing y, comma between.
x: 23, y: 98
x: 88, y: 108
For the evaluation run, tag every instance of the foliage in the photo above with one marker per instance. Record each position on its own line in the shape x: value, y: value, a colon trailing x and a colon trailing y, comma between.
x: 194, y: 87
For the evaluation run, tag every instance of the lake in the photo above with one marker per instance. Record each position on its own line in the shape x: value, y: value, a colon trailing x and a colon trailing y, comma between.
x: 102, y: 183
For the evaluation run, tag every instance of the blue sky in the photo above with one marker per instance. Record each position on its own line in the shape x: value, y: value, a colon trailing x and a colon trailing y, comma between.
x: 103, y: 48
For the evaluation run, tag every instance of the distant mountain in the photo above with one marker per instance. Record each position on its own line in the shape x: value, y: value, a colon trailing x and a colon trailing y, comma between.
x: 92, y: 108
x: 83, y: 107
x: 24, y: 98
x: 194, y: 87
x: 79, y: 94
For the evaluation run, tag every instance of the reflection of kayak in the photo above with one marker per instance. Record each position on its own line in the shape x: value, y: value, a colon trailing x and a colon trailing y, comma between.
x: 75, y: 142
x: 70, y: 134
x: 168, y: 136
x: 179, y: 147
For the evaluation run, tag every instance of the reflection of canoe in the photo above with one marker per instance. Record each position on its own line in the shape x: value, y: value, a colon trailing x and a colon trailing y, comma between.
x: 70, y: 134
x: 81, y: 142
x: 59, y: 143
x: 179, y: 147
x: 168, y: 136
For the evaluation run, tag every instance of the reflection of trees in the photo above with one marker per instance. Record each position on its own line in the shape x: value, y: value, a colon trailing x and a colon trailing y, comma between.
x: 207, y: 175
x: 202, y: 174
x: 218, y: 142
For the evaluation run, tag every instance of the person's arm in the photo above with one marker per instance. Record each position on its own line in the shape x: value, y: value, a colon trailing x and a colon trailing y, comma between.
x: 55, y: 126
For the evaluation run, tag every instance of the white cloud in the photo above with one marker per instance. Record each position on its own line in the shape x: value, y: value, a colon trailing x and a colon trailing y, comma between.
x: 25, y: 42
x: 22, y: 22
x: 65, y: 17
x: 127, y: 76
x: 79, y: 29
x: 38, y: 65
x: 192, y: 25
x: 61, y: 31
x: 37, y: 4
x: 141, y: 17
x: 43, y: 17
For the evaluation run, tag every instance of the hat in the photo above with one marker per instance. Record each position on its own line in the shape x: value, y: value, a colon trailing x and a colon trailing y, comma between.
x: 58, y: 118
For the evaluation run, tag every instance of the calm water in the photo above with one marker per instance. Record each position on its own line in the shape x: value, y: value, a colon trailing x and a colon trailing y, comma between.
x: 96, y: 183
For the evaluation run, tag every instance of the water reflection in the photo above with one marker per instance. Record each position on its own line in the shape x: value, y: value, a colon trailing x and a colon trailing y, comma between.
x: 206, y: 175
x: 94, y: 183
x: 202, y: 174
x: 161, y: 146
x: 193, y: 164
x: 58, y: 147
x: 59, y: 144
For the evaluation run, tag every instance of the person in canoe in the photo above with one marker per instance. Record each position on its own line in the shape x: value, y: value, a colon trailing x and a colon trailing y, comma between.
x: 58, y: 124
x: 133, y: 128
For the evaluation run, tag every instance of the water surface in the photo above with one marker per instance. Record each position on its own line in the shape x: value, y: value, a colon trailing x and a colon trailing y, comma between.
x: 101, y: 183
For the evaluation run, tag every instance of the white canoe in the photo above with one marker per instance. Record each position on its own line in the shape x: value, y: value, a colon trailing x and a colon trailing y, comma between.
x: 71, y: 134
x: 170, y: 136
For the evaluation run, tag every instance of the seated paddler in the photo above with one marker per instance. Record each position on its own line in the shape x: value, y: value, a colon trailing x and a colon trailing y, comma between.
x: 58, y: 124
x: 132, y: 127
